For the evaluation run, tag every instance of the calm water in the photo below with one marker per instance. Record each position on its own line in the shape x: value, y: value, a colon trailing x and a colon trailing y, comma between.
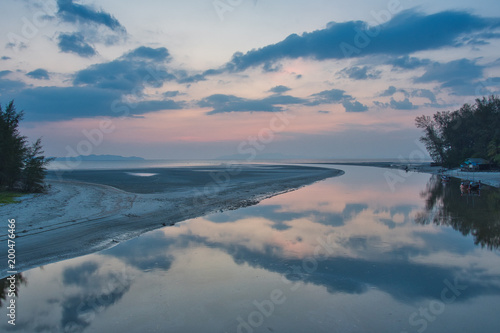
x: 348, y: 254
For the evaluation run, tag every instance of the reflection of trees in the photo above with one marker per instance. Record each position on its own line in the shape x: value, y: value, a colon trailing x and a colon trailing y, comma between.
x: 5, y: 285
x: 469, y: 213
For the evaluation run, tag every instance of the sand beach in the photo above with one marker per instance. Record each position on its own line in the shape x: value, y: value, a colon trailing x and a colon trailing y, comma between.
x: 77, y: 217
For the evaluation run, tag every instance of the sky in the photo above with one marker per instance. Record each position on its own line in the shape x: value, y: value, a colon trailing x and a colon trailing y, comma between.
x: 203, y: 79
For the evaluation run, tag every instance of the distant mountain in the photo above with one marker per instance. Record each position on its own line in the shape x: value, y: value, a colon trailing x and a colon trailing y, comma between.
x: 259, y: 157
x: 101, y: 158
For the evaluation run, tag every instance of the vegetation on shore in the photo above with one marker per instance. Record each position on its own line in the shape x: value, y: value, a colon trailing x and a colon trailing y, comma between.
x: 22, y: 165
x: 472, y: 131
x: 8, y: 197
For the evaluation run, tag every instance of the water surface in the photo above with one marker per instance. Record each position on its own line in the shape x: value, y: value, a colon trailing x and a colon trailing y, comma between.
x: 348, y: 254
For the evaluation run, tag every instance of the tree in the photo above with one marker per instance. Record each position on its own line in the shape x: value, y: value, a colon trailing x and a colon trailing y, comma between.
x: 21, y: 166
x: 12, y: 146
x: 432, y: 139
x: 494, y: 150
x: 34, y: 168
x: 472, y: 131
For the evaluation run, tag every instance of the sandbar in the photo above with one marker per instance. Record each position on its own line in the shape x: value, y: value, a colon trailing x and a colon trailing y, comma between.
x: 88, y: 211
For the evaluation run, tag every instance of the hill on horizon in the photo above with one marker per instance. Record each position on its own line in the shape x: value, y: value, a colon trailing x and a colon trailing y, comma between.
x: 105, y: 157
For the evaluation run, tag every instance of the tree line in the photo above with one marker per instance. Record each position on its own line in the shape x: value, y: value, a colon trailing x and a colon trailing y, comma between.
x: 22, y: 165
x: 472, y: 131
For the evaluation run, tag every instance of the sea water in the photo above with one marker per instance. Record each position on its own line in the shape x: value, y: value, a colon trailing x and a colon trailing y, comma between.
x: 347, y: 254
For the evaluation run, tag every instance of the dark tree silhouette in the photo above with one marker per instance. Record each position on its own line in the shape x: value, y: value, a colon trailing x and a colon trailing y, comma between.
x: 34, y: 168
x: 22, y: 167
x: 12, y: 146
x: 474, y: 213
x: 472, y: 131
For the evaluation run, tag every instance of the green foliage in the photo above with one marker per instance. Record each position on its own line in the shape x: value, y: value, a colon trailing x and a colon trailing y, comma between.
x: 34, y: 168
x: 8, y: 197
x: 12, y: 146
x: 472, y: 131
x: 22, y: 167
x: 494, y: 150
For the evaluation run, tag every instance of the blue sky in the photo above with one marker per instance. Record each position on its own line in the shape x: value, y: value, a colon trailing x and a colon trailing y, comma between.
x: 201, y: 79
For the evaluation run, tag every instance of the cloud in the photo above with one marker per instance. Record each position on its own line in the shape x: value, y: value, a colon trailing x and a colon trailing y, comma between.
x: 156, y: 105
x: 144, y: 52
x: 360, y: 73
x: 406, y: 33
x: 172, y: 93
x: 8, y: 87
x: 79, y: 274
x: 393, y: 90
x: 491, y: 81
x: 284, y: 100
x: 279, y: 89
x: 39, y: 74
x: 18, y: 45
x: 328, y: 97
x: 183, y: 77
x: 354, y: 106
x: 111, y: 89
x: 75, y: 43
x: 406, y: 104
x: 76, y: 13
x: 65, y: 103
x: 130, y: 73
x: 458, y: 75
x: 145, y: 254
x: 5, y: 72
x: 323, y: 112
x: 407, y: 62
x: 270, y: 67
x: 230, y: 103
x: 462, y: 69
x: 336, y: 96
x: 92, y: 287
x: 58, y: 103
x: 425, y: 93
x: 488, y: 86
x: 402, y: 105
x: 93, y: 26
x: 388, y: 92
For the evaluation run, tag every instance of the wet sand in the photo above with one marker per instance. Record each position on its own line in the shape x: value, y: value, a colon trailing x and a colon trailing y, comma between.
x: 88, y: 211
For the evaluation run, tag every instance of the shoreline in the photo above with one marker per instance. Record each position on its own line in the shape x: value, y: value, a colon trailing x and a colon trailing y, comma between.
x: 77, y: 218
x: 490, y: 178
